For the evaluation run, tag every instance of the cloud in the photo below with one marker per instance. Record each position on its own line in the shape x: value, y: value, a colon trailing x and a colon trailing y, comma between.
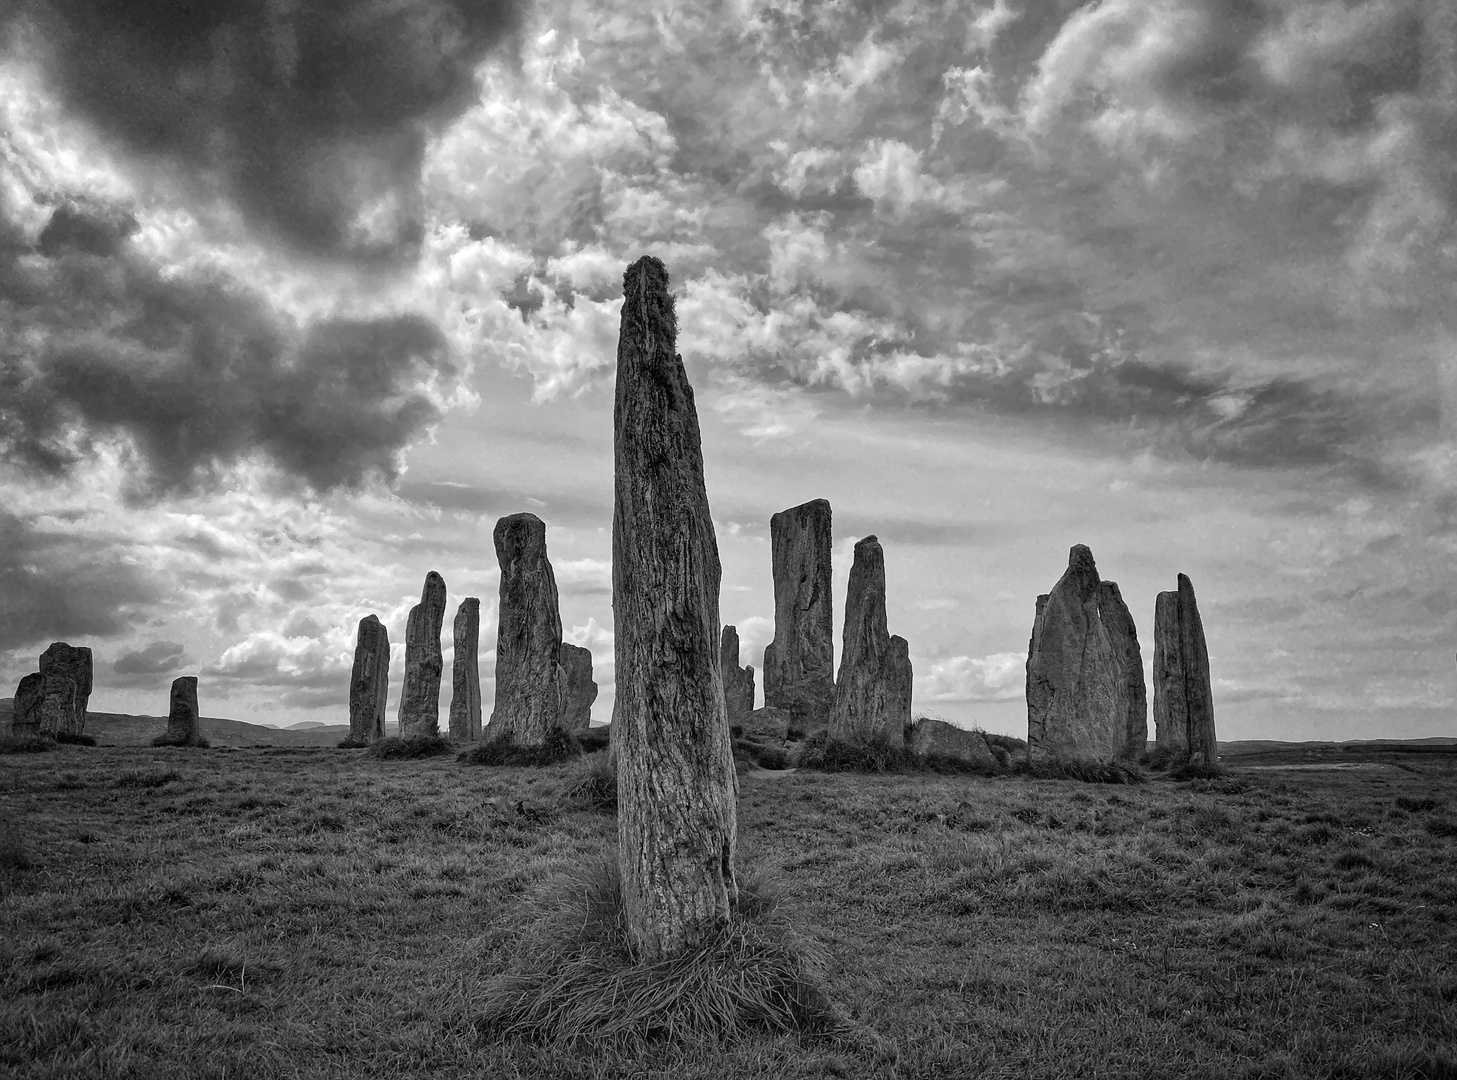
x: 195, y: 375
x: 142, y: 667
x: 998, y: 677
x: 313, y: 120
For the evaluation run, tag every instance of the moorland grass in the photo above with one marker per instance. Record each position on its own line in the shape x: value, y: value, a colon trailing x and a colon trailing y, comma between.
x: 26, y: 744
x: 593, y: 784
x: 558, y: 746
x: 822, y: 752
x: 420, y: 746
x: 576, y: 979
x: 312, y: 913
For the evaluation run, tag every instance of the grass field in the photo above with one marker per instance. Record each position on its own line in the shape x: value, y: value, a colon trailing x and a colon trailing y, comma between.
x: 321, y: 913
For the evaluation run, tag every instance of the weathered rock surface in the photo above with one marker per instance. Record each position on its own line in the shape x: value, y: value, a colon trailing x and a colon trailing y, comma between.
x: 465, y: 673
x: 419, y: 711
x: 581, y: 688
x: 1170, y: 711
x: 29, y: 696
x: 1198, y: 693
x: 183, y: 728
x: 1077, y: 686
x: 799, y: 664
x: 767, y: 725
x: 369, y: 682
x: 64, y: 711
x: 738, y: 682
x: 930, y: 736
x: 1124, y: 634
x: 676, y: 784
x: 530, y: 682
x: 872, y: 691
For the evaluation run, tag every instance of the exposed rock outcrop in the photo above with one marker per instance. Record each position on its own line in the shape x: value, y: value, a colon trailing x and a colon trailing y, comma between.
x: 530, y: 681
x: 872, y: 691
x: 799, y: 664
x: 930, y: 736
x: 424, y: 663
x: 1077, y: 684
x: 768, y: 725
x: 1124, y: 635
x: 66, y: 670
x: 369, y: 682
x: 738, y: 682
x: 1183, y: 695
x: 581, y: 688
x: 465, y: 673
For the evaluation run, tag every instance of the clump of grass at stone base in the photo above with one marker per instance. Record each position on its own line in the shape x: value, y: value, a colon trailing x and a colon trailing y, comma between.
x: 200, y: 742
x: 422, y: 746
x: 1088, y: 772
x: 559, y: 745
x: 593, y: 786
x: 823, y: 752
x: 577, y: 979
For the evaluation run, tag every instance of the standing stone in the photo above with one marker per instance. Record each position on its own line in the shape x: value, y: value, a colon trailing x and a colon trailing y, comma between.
x: 872, y: 692
x: 530, y: 682
x: 676, y: 786
x: 581, y: 688
x: 1170, y: 711
x: 369, y: 684
x: 65, y: 708
x: 1124, y: 635
x: 424, y: 662
x: 1077, y: 688
x: 465, y: 673
x: 799, y: 664
x: 738, y: 682
x: 29, y: 697
x: 183, y: 728
x: 1198, y: 693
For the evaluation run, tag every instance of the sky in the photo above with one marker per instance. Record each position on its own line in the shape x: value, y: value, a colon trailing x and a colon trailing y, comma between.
x: 298, y: 299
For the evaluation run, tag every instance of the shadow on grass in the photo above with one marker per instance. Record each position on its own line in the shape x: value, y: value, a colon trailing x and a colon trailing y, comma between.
x: 75, y: 739
x: 559, y: 746
x: 421, y: 746
x: 577, y: 979
x: 200, y: 742
x: 26, y: 744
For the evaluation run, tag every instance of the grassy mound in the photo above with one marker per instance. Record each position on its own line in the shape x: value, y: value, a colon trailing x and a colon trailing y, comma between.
x: 559, y: 746
x: 25, y: 744
x: 594, y: 786
x: 577, y: 980
x: 421, y: 747
x: 1089, y: 772
x: 75, y: 740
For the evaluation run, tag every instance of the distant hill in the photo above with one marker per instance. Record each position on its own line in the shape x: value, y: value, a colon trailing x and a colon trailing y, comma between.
x: 124, y: 729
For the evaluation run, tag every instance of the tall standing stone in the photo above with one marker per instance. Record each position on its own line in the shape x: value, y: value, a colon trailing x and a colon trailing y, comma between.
x: 1170, y: 711
x: 424, y: 662
x: 29, y: 697
x: 799, y: 664
x: 872, y: 691
x: 465, y: 673
x: 738, y: 682
x: 581, y: 688
x: 676, y: 786
x: 1124, y: 635
x: 183, y: 725
x: 369, y: 683
x: 1077, y: 688
x: 530, y: 682
x: 1183, y: 696
x: 66, y: 670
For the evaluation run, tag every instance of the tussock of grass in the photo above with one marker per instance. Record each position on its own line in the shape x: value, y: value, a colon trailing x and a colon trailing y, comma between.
x: 13, y: 852
x: 1158, y: 759
x: 26, y: 744
x: 1417, y: 804
x: 594, y: 738
x: 559, y: 746
x: 421, y: 747
x: 75, y: 739
x: 348, y: 743
x: 1010, y: 743
x: 152, y: 778
x: 577, y: 980
x: 1193, y: 770
x: 1089, y: 772
x: 594, y: 786
x: 751, y: 753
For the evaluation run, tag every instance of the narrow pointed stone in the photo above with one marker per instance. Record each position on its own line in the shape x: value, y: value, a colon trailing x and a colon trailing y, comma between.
x: 1170, y: 710
x: 799, y: 664
x: 676, y: 784
x: 872, y: 690
x: 1077, y: 688
x: 530, y: 681
x: 369, y: 682
x: 1198, y: 693
x: 738, y: 682
x: 581, y: 687
x: 465, y: 672
x: 1124, y: 635
x: 424, y: 662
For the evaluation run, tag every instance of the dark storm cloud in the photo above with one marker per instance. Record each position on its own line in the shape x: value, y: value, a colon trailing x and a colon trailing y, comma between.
x: 158, y: 658
x: 56, y: 586
x: 311, y: 115
x: 198, y: 373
